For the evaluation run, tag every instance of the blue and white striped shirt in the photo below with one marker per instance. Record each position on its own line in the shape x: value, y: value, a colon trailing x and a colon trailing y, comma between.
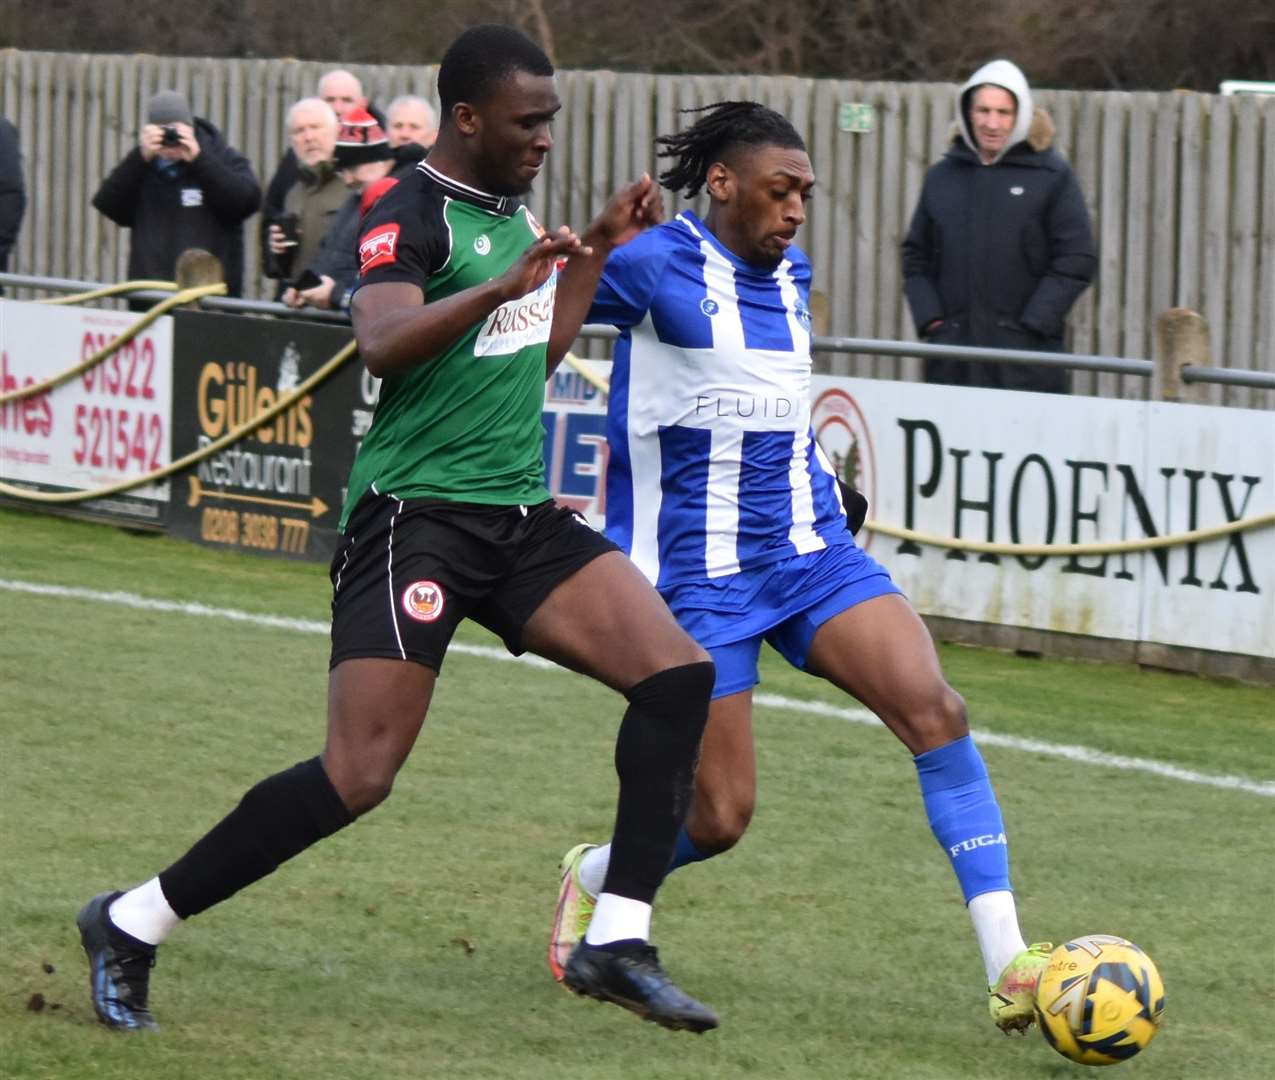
x: 713, y: 467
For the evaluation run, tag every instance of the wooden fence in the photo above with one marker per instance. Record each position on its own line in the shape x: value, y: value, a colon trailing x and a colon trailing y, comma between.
x: 1181, y: 185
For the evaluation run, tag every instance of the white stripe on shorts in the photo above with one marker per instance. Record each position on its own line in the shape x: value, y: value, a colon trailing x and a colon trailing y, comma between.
x: 390, y: 574
x: 344, y: 563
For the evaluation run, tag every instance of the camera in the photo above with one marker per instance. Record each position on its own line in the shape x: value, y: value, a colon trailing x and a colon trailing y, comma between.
x: 171, y: 136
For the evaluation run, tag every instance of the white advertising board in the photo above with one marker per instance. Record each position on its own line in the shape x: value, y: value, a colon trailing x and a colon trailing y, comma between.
x: 1012, y: 467
x: 111, y: 423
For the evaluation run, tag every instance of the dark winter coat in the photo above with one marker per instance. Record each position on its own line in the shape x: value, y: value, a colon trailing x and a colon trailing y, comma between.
x: 200, y: 204
x: 1000, y: 253
x: 13, y: 195
x: 315, y: 198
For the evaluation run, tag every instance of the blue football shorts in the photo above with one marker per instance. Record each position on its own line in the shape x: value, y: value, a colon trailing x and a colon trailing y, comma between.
x: 782, y: 603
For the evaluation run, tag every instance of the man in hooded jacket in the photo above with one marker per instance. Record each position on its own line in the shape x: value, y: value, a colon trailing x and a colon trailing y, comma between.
x: 1000, y: 246
x: 181, y: 187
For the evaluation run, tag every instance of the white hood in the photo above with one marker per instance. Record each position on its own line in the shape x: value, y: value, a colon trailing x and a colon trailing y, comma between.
x: 1005, y: 74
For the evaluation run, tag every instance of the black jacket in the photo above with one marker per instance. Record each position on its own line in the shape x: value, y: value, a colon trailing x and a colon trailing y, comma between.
x: 13, y: 196
x: 1000, y: 253
x: 200, y: 204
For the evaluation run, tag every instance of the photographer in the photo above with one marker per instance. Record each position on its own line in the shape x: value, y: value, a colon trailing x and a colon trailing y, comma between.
x: 181, y: 187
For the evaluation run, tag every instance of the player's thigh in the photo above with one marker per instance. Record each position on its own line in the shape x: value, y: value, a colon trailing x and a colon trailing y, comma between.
x: 607, y: 621
x: 376, y: 707
x: 881, y: 652
x: 404, y: 576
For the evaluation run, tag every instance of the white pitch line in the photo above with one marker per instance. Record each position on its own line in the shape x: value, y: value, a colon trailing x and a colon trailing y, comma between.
x: 1084, y: 754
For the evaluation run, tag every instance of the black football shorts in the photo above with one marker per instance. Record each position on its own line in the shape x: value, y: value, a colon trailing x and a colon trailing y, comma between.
x: 406, y: 572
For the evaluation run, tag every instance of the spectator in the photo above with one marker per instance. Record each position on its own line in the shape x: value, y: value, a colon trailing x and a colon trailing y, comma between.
x: 181, y: 187
x: 342, y: 91
x: 311, y: 203
x: 365, y: 162
x: 411, y: 120
x: 1000, y: 246
x: 13, y: 195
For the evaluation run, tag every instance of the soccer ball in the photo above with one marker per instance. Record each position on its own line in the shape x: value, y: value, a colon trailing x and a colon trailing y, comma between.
x: 1099, y: 1000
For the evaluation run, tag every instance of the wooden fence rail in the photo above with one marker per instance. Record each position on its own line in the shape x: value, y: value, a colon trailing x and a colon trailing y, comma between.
x: 1181, y: 185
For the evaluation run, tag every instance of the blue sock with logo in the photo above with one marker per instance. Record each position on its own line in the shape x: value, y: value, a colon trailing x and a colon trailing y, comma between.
x: 686, y: 852
x: 964, y: 815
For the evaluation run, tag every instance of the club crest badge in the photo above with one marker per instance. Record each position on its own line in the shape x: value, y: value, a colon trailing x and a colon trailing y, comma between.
x: 423, y: 601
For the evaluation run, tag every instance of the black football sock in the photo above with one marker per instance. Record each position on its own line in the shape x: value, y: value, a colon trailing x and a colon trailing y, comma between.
x: 277, y: 819
x: 655, y: 756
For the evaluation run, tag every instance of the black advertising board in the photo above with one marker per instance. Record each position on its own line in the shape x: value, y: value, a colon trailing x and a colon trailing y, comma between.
x: 279, y: 490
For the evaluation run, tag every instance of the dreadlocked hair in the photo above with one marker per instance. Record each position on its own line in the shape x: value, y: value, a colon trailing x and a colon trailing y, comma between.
x: 719, y: 129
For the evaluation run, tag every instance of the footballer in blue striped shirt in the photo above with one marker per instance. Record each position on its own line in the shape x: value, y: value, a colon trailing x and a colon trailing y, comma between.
x: 718, y: 491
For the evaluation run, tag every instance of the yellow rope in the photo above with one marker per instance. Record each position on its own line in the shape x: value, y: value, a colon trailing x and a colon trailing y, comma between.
x: 165, y: 305
x: 1113, y: 547
x: 587, y: 373
x: 110, y: 290
x: 195, y: 456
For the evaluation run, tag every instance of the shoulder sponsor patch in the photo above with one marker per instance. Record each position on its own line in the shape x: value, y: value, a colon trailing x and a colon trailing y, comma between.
x: 378, y: 247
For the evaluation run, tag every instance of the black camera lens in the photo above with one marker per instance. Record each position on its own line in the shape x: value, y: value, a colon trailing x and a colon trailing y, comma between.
x: 170, y: 137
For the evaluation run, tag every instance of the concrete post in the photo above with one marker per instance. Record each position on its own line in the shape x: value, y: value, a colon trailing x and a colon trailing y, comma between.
x: 1182, y: 340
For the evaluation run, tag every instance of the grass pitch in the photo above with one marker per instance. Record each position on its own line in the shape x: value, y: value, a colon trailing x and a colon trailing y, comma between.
x: 832, y: 941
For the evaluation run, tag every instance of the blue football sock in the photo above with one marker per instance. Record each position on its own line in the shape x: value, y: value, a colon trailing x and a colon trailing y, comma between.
x: 686, y: 852
x: 964, y: 815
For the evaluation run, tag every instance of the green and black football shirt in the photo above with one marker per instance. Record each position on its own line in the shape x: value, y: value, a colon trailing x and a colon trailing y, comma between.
x: 466, y: 425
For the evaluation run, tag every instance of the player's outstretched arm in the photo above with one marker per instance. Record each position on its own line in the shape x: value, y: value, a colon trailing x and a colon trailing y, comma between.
x: 396, y: 328
x: 631, y: 209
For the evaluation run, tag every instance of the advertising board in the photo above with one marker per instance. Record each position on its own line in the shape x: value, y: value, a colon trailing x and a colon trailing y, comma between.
x: 108, y: 424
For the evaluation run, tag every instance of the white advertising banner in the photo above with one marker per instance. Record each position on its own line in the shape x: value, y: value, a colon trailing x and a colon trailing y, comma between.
x: 1013, y: 467
x: 1208, y: 466
x: 111, y: 423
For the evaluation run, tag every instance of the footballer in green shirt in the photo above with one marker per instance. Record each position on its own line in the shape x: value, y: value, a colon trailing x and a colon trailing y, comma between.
x: 462, y: 298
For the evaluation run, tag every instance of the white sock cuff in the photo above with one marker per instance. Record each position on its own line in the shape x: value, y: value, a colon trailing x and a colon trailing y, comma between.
x: 144, y: 913
x: 618, y: 918
x: 593, y: 869
x: 995, y: 918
